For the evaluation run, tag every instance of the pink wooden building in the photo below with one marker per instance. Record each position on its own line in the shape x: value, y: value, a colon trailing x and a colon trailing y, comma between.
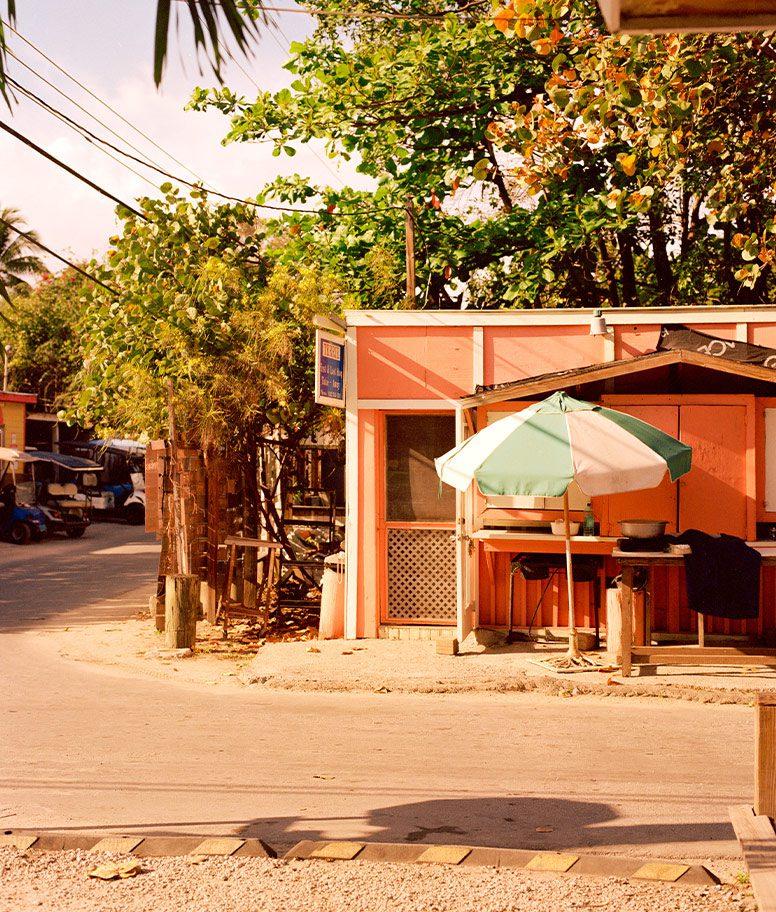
x: 417, y: 382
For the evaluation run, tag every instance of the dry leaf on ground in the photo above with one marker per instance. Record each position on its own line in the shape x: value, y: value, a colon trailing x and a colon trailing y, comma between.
x: 116, y: 871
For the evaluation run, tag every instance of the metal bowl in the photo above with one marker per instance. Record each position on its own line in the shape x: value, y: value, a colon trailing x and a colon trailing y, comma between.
x: 643, y: 528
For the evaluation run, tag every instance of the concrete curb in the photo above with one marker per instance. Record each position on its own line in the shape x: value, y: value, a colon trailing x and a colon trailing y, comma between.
x: 142, y: 846
x: 656, y: 870
x: 660, y: 871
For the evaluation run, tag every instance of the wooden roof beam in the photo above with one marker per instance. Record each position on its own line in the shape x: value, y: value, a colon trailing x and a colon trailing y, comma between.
x: 639, y: 17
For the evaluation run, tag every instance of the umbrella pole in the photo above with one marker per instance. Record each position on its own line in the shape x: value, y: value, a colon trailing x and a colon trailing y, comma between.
x: 573, y: 648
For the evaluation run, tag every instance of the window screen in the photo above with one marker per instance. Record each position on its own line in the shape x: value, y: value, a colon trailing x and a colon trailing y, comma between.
x: 412, y: 488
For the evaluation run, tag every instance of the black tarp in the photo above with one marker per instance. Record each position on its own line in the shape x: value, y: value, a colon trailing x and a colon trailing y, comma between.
x: 675, y: 337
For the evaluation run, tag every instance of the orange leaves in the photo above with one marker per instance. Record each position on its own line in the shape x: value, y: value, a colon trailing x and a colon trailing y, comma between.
x: 627, y: 163
x: 543, y: 46
x: 503, y: 17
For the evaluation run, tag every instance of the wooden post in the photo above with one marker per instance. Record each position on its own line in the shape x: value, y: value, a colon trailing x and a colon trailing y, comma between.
x: 409, y: 222
x: 765, y: 758
x: 181, y: 606
x: 626, y: 603
x: 573, y: 647
x: 178, y: 522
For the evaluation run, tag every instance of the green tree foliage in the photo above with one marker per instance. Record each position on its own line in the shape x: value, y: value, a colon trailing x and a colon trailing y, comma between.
x: 42, y: 332
x: 18, y: 263
x: 200, y: 303
x: 409, y: 101
x: 660, y: 146
x: 623, y: 170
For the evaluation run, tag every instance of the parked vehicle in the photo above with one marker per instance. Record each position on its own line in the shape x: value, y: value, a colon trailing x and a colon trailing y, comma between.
x: 61, y: 484
x: 121, y: 491
x: 20, y: 523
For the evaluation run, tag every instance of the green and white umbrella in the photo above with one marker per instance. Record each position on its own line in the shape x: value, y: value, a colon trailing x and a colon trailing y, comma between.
x: 539, y: 451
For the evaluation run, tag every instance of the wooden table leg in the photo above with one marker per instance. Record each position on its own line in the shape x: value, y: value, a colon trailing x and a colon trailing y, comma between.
x: 227, y: 598
x: 269, y: 583
x: 626, y: 602
x: 701, y: 630
x: 648, y: 608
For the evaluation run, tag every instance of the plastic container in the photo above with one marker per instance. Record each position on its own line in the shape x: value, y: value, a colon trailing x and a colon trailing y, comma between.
x: 558, y: 527
x: 332, y: 622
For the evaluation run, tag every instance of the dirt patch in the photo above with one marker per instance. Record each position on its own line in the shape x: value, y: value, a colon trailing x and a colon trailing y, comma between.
x: 59, y: 880
x: 380, y: 666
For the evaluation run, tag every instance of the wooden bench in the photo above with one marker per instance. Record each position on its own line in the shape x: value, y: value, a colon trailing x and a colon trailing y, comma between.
x: 228, y: 607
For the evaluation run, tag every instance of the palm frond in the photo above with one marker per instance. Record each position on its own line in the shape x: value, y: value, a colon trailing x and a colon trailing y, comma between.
x: 10, y: 13
x: 213, y: 22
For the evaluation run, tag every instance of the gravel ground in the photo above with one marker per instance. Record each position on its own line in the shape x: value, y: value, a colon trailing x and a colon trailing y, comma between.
x: 58, y: 881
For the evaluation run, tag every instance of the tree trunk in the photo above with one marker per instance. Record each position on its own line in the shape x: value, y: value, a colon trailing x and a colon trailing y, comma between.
x: 657, y: 236
x: 181, y: 607
x: 498, y: 178
x: 250, y: 517
x: 611, y: 275
x: 628, y: 269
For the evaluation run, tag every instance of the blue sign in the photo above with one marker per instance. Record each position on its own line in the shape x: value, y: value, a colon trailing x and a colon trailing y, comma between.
x: 329, y: 369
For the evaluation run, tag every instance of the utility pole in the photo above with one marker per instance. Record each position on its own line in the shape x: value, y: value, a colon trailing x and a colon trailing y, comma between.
x: 409, y: 211
x: 6, y: 353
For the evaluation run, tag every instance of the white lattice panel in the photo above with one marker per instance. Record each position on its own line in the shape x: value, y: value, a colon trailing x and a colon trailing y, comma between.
x: 421, y: 575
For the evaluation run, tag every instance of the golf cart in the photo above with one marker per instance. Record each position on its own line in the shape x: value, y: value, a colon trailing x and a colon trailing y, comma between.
x: 20, y: 522
x: 121, y: 492
x: 60, y: 481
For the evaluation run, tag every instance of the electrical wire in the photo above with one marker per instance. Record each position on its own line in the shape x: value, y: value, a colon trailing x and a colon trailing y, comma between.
x: 33, y: 240
x: 51, y: 85
x: 93, y: 138
x: 239, y: 66
x: 100, y: 101
x: 31, y: 96
x: 367, y: 14
x: 28, y: 142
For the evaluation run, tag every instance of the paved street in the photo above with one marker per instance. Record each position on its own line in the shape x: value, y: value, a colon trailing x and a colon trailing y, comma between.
x: 87, y: 748
x: 62, y: 581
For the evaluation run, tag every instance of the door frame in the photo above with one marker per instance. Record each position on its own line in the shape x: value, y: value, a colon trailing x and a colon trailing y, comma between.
x: 383, y: 524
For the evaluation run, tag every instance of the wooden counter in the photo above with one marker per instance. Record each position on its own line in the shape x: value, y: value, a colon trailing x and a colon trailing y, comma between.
x: 542, y: 542
x: 647, y: 654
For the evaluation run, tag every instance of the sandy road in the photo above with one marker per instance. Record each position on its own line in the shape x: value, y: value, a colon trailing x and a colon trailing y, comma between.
x: 84, y: 748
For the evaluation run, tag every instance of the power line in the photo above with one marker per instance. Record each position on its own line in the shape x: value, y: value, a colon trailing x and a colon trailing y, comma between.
x: 33, y: 240
x: 99, y: 100
x: 76, y: 104
x: 93, y: 138
x: 274, y: 37
x: 81, y: 177
x: 367, y: 14
x: 81, y: 131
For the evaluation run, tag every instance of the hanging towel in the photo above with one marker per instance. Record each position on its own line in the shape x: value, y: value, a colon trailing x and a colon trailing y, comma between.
x: 722, y: 575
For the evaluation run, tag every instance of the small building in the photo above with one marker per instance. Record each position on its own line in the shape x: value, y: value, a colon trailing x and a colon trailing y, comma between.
x: 13, y: 418
x: 428, y: 561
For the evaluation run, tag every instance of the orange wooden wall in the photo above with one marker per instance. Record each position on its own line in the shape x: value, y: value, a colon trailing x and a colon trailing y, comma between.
x: 438, y: 362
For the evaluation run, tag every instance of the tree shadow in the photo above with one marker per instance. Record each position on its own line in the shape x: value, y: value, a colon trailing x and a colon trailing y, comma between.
x: 514, y: 822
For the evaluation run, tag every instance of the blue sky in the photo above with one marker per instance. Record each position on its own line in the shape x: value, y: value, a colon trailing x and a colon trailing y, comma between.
x: 107, y: 45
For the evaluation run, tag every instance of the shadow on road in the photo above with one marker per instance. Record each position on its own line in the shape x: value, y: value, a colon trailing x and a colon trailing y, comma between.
x: 509, y: 822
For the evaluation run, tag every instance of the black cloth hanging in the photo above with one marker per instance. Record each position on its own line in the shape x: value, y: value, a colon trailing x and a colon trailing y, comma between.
x: 722, y: 574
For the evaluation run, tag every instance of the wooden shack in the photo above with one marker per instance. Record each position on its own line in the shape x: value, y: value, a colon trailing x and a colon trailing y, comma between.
x: 425, y: 562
